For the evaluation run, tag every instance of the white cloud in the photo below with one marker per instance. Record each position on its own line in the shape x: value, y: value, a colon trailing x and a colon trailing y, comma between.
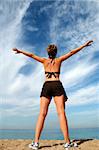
x: 11, y: 17
x: 31, y: 28
x: 85, y: 95
x: 77, y: 74
x: 45, y: 8
x: 67, y: 28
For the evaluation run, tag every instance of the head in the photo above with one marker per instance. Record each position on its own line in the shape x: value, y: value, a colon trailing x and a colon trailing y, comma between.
x: 52, y: 51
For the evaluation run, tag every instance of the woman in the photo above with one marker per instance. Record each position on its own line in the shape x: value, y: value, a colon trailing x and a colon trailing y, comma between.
x: 52, y: 88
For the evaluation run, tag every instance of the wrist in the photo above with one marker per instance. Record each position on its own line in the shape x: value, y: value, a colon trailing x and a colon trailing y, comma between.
x: 84, y: 45
x: 20, y: 51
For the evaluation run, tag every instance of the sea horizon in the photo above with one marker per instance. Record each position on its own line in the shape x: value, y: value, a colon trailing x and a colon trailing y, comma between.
x: 50, y: 134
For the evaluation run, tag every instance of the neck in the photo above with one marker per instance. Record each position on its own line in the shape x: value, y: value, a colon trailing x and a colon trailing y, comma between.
x: 52, y: 57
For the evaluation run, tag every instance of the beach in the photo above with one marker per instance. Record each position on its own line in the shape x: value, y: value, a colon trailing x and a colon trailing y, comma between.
x: 20, y: 144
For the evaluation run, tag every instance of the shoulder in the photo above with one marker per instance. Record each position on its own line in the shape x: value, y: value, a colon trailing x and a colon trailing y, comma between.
x: 58, y: 59
x: 45, y: 60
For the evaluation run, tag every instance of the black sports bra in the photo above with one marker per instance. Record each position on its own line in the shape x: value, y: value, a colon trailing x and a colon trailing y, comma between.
x: 50, y: 74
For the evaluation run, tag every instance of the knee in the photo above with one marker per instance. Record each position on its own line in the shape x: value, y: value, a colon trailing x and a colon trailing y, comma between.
x: 61, y: 110
x: 43, y: 113
x: 61, y: 113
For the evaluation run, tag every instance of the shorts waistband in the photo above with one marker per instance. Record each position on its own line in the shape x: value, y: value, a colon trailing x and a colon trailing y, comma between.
x: 53, y: 81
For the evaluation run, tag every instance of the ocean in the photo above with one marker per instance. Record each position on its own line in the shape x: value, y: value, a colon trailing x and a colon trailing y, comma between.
x: 77, y: 133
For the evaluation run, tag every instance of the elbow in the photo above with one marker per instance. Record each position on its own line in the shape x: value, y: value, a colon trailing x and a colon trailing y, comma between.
x: 72, y: 53
x: 31, y: 55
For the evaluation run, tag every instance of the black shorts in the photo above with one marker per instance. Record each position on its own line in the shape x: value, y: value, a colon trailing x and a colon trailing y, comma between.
x: 53, y: 88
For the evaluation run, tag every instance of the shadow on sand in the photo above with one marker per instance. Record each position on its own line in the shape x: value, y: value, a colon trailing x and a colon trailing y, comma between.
x: 52, y: 145
x: 80, y: 141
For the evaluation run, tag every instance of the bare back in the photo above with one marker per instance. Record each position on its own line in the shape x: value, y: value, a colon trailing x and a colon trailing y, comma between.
x: 52, y: 66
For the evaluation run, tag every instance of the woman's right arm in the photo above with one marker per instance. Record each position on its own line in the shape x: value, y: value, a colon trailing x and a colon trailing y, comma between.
x: 40, y: 59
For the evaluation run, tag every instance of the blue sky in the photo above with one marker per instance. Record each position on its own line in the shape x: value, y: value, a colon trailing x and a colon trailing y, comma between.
x: 31, y: 25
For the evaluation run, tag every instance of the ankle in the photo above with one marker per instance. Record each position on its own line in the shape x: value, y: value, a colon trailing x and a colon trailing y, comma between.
x: 67, y: 141
x: 36, y: 141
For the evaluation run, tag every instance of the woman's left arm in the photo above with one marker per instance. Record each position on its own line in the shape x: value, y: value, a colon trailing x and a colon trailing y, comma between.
x: 74, y: 51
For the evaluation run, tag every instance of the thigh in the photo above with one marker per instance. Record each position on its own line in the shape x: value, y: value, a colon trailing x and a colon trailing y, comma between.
x: 44, y: 103
x: 60, y: 103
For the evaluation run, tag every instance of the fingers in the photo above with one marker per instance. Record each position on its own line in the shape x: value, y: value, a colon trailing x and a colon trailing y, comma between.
x: 16, y: 50
x: 90, y: 41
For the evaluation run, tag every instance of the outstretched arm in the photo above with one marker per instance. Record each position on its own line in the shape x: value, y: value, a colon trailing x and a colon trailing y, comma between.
x: 74, y: 51
x: 40, y: 59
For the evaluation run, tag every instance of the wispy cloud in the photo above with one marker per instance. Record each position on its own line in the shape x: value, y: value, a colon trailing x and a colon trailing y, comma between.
x: 85, y: 95
x: 78, y: 73
x: 10, y: 30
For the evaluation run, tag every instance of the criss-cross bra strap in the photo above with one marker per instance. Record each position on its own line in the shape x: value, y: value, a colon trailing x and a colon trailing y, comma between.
x: 49, y: 74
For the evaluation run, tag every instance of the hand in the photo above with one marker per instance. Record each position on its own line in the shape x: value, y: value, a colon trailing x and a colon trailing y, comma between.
x: 16, y: 50
x: 88, y: 43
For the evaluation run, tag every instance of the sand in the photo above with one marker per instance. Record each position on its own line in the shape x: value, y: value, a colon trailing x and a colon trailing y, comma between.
x: 89, y: 144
